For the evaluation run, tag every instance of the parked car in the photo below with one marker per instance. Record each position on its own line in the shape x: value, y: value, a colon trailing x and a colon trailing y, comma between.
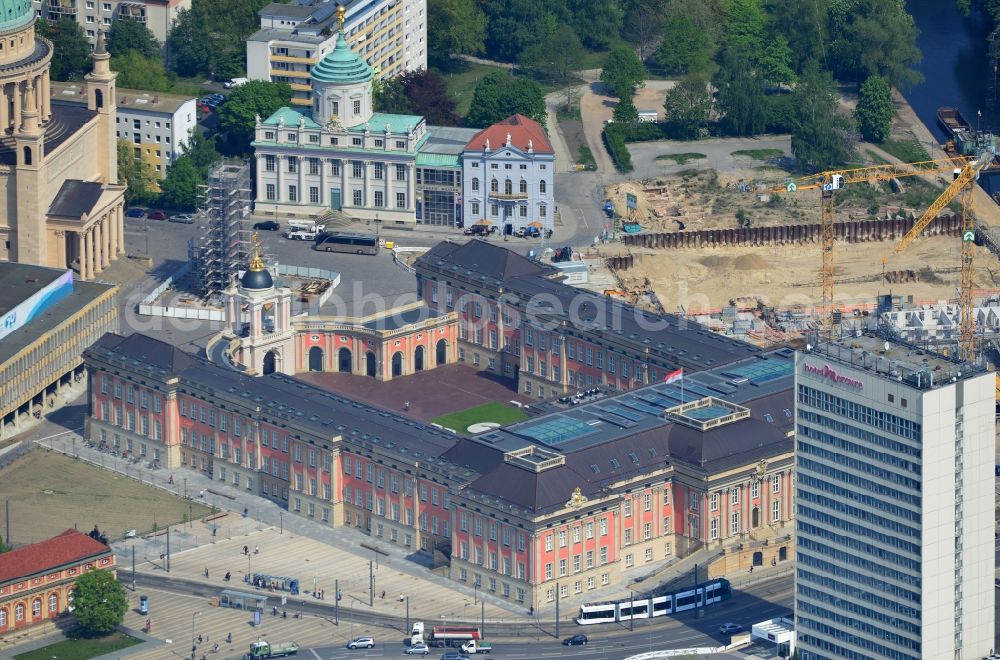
x: 361, y: 643
x: 730, y: 628
x: 575, y: 640
x: 182, y: 218
x: 235, y: 82
x: 135, y: 213
x: 267, y: 225
x: 157, y: 215
x: 418, y: 649
x: 451, y: 655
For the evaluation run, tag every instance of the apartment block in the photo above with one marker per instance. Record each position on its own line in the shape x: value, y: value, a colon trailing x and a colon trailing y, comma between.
x: 390, y: 35
x: 94, y: 15
x: 157, y: 125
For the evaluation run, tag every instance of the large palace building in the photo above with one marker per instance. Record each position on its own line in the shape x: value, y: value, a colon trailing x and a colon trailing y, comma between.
x: 581, y: 496
x: 60, y: 203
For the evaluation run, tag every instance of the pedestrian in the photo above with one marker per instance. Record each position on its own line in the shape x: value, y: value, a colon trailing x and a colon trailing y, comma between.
x: 246, y: 550
x: 201, y: 493
x: 227, y: 576
x: 383, y: 595
x: 199, y: 638
x: 229, y: 638
x: 774, y: 562
x: 751, y: 569
x: 206, y: 573
x: 406, y: 405
x: 256, y: 549
x: 245, y: 512
x: 402, y: 598
x: 171, y: 480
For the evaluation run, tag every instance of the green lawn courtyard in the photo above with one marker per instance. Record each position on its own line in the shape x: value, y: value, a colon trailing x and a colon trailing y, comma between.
x: 497, y: 413
x: 80, y: 648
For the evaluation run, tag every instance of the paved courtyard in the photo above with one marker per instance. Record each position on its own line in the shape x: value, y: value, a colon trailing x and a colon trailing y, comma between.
x: 431, y: 393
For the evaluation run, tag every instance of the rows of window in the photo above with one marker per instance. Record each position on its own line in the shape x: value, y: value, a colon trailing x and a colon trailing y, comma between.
x: 888, y: 634
x: 828, y: 598
x: 314, y: 166
x: 859, y: 561
x: 894, y: 446
x: 834, y: 616
x: 492, y: 584
x: 882, y: 421
x: 898, y: 593
x: 804, y: 512
x: 832, y: 650
x: 846, y: 446
x: 36, y: 611
x: 838, y: 458
x: 839, y: 540
x: 508, y: 186
x: 835, y: 504
x: 830, y: 585
x: 807, y: 465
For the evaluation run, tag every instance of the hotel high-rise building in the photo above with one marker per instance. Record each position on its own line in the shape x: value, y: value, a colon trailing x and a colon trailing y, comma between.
x: 894, y: 503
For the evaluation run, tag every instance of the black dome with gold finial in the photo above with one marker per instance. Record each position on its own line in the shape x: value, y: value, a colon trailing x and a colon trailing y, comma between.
x: 256, y: 277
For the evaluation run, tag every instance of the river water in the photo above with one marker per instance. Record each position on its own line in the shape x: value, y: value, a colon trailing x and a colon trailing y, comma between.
x: 955, y: 66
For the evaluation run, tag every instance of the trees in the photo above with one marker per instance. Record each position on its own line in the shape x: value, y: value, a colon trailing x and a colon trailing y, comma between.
x: 201, y: 151
x: 70, y: 50
x: 182, y: 188
x: 596, y: 23
x: 210, y: 38
x: 740, y: 95
x: 126, y: 35
x: 820, y: 139
x: 803, y: 23
x: 511, y: 25
x: 625, y: 112
x: 137, y: 71
x: 623, y: 71
x: 454, y: 27
x: 426, y: 94
x: 685, y: 48
x: 136, y: 173
x: 237, y: 116
x: 499, y: 95
x: 642, y: 24
x: 873, y: 37
x: 390, y: 96
x: 556, y: 57
x: 189, y: 52
x: 687, y: 106
x: 875, y: 109
x: 99, y: 602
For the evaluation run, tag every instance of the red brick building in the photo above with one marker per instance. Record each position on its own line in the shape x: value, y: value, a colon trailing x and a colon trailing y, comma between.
x: 36, y: 580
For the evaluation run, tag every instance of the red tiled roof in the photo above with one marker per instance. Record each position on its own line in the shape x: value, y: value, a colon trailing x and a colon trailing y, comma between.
x: 520, y: 129
x: 68, y: 547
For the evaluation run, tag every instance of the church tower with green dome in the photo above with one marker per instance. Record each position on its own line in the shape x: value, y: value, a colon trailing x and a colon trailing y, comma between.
x: 342, y: 85
x: 15, y: 14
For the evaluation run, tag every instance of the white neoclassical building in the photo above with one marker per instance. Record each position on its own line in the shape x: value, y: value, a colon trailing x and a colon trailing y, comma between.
x: 342, y: 156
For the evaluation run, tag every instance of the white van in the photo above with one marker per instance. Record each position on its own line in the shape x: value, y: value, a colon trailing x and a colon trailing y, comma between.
x: 306, y: 225
x: 647, y: 115
x: 235, y: 82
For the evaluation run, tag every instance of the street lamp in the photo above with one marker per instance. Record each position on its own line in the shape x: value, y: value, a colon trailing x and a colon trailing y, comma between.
x: 194, y: 648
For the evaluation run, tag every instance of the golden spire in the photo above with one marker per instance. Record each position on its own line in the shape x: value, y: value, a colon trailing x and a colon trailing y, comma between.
x: 256, y: 263
x: 341, y: 13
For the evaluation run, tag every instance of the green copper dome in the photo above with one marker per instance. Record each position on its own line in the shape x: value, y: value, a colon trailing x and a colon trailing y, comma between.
x: 15, y: 14
x: 341, y: 66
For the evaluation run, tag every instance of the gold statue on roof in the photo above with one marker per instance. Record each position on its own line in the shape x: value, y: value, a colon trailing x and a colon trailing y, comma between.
x: 341, y: 14
x: 256, y: 263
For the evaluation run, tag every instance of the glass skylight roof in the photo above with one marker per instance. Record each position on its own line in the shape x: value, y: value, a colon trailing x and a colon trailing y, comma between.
x: 554, y: 431
x: 761, y: 371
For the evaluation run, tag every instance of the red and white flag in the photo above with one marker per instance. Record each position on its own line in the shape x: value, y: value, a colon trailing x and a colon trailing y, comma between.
x: 674, y: 376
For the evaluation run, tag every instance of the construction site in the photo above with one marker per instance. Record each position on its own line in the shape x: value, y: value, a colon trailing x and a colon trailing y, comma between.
x: 772, y: 259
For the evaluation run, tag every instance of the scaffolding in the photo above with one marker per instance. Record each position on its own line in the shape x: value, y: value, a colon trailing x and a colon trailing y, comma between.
x: 223, y: 248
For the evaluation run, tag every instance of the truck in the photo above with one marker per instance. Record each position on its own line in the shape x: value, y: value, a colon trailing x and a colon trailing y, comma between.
x: 417, y: 634
x: 307, y: 225
x: 262, y: 649
x: 301, y: 235
x: 477, y: 646
x: 452, y: 635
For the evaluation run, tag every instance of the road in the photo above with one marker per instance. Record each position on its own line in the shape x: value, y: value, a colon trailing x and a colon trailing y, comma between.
x: 762, y: 601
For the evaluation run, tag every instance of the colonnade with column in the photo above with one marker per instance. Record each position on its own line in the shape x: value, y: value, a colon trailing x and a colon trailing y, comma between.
x: 101, y: 243
x: 336, y: 172
x: 13, y: 101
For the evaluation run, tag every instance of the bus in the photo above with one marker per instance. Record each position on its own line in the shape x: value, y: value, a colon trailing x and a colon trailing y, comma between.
x: 350, y: 243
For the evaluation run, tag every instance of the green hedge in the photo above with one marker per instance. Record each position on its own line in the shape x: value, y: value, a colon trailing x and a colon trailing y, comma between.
x: 614, y: 141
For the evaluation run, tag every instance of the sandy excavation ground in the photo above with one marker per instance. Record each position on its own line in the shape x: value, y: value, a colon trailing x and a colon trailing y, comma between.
x: 788, y: 276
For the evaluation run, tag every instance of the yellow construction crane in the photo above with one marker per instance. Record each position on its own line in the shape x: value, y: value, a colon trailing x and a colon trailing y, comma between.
x: 829, y: 182
x: 962, y: 183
